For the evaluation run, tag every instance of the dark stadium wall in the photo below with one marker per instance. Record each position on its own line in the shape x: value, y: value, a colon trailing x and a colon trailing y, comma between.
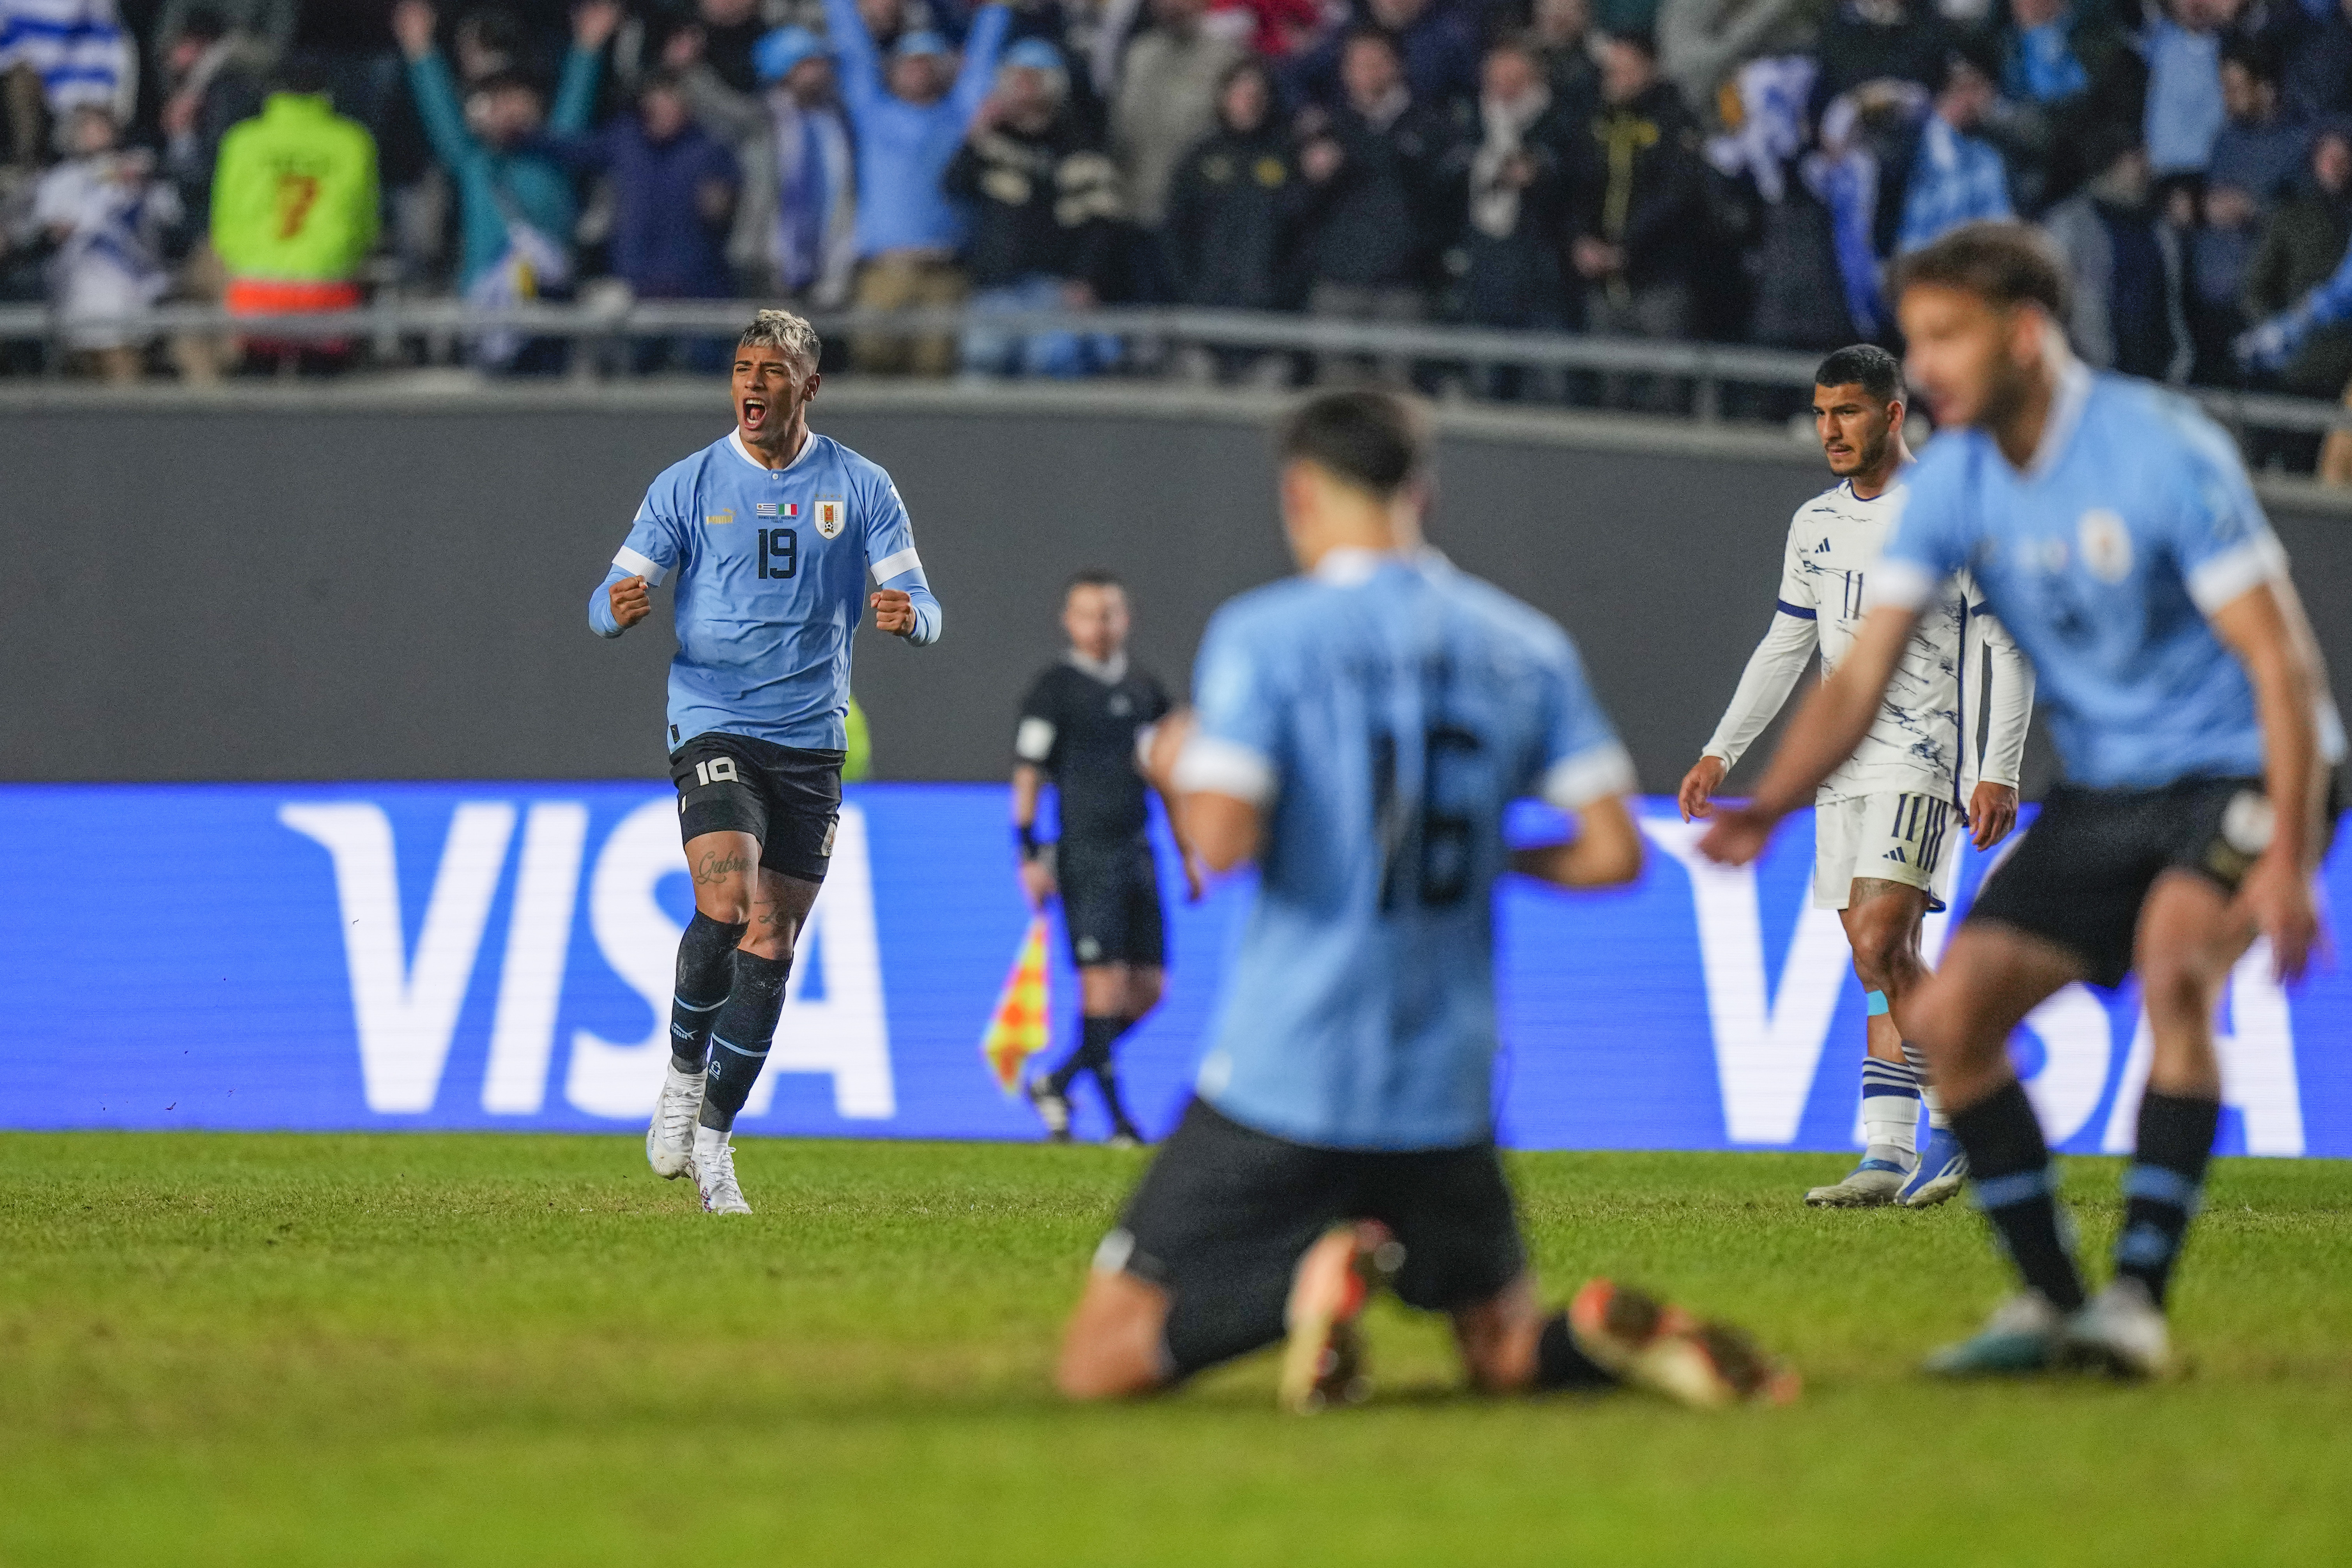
x: 339, y: 587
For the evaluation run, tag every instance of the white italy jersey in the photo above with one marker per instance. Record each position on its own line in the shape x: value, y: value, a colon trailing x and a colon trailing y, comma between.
x: 1915, y: 745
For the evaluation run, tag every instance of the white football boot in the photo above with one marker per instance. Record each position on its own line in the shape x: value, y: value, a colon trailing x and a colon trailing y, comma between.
x: 1869, y: 1185
x: 670, y: 1141
x: 2120, y: 1332
x: 714, y: 1172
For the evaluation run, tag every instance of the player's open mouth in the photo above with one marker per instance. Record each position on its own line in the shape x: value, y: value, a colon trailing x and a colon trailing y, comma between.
x: 754, y: 413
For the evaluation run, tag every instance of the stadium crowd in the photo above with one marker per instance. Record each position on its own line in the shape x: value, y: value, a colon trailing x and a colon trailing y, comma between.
x: 1731, y: 170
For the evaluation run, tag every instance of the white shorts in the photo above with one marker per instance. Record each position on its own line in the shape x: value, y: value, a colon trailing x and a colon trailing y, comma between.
x: 1889, y: 838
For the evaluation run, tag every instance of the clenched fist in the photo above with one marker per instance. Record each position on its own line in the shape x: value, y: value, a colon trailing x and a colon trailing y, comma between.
x: 894, y: 612
x: 631, y: 602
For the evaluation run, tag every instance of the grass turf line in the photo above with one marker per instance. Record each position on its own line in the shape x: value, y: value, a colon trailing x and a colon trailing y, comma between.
x: 413, y: 1348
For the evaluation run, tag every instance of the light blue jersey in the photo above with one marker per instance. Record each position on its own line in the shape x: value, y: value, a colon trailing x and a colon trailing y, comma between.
x: 2133, y: 523
x: 771, y: 566
x: 1380, y: 713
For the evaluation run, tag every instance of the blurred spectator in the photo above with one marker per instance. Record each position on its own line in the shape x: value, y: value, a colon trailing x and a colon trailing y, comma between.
x: 1701, y: 43
x: 294, y: 209
x: 1166, y: 100
x: 2066, y: 70
x: 795, y: 221
x: 1233, y: 209
x: 674, y: 188
x: 2126, y: 308
x: 1043, y: 196
x: 266, y: 27
x: 1795, y: 283
x: 2317, y: 80
x: 1637, y: 207
x: 1956, y: 176
x: 211, y: 79
x: 727, y: 34
x: 1374, y: 186
x: 2184, y: 113
x: 25, y: 124
x: 106, y: 213
x: 1274, y: 28
x: 1437, y: 48
x: 516, y: 206
x: 2307, y: 238
x: 1867, y: 41
x: 79, y: 48
x: 908, y: 128
x: 1561, y: 37
x: 1510, y: 246
x: 2256, y: 158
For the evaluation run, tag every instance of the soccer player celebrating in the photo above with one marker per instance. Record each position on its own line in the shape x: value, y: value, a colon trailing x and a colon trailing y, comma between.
x: 770, y: 532
x: 1881, y: 819
x: 2112, y: 529
x: 1360, y: 729
x: 1078, y: 726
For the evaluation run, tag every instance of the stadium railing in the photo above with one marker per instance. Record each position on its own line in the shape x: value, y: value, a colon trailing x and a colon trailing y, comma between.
x: 1713, y: 373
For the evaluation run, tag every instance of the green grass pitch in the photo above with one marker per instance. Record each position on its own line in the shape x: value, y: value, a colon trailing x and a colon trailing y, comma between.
x: 426, y: 1349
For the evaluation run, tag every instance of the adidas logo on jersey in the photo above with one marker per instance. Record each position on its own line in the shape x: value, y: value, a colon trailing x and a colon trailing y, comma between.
x: 1822, y: 548
x: 1897, y: 856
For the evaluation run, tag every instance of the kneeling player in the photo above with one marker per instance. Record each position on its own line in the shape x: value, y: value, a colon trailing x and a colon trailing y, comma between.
x: 2112, y: 529
x: 1077, y: 727
x: 1360, y: 729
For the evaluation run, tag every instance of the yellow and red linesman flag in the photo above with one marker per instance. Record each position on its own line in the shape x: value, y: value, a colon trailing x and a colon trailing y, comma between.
x: 1017, y: 1029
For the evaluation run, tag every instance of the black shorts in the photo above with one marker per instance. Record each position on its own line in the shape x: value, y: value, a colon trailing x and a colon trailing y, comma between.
x: 1111, y: 901
x: 788, y: 799
x: 1225, y: 1212
x: 2080, y: 874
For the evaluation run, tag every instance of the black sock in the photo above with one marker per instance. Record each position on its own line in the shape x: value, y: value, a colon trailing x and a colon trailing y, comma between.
x: 706, y: 972
x: 2009, y: 1174
x: 1107, y: 1077
x: 2164, y: 1186
x: 1093, y: 1054
x: 1560, y: 1361
x: 739, y: 1041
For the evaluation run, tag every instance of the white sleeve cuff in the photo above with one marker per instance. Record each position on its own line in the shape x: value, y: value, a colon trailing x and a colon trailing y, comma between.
x: 1033, y: 740
x: 1212, y: 766
x: 1897, y: 584
x: 637, y: 565
x: 2223, y: 577
x: 1574, y: 783
x: 890, y: 566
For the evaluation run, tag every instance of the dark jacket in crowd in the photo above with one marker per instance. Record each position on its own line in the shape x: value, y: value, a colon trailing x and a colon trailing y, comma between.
x: 1041, y: 205
x: 1440, y: 53
x: 2317, y: 78
x: 1854, y: 50
x: 2301, y: 248
x: 1371, y: 224
x: 1234, y: 204
x: 662, y: 246
x: 1636, y: 181
x: 1510, y: 253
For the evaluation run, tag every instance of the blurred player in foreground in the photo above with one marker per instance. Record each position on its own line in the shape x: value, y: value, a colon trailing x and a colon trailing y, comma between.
x: 1361, y: 727
x: 1078, y: 726
x: 770, y: 531
x: 2112, y: 530
x: 1881, y: 821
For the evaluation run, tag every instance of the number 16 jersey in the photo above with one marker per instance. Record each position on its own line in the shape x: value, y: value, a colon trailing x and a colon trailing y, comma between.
x: 770, y: 568
x: 1380, y: 713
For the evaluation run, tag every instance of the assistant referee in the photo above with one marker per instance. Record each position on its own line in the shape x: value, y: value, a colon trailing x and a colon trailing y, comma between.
x: 1078, y: 727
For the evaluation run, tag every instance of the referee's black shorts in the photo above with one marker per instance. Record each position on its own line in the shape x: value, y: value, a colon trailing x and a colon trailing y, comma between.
x: 1111, y: 901
x: 787, y: 798
x: 2079, y: 875
x: 1225, y: 1212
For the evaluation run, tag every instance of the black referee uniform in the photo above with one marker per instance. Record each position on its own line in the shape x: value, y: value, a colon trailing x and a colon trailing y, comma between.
x: 1077, y: 727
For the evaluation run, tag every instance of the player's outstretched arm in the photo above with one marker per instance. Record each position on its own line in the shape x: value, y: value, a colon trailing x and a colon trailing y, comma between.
x: 1605, y: 852
x: 620, y: 602
x: 2266, y: 628
x: 1824, y: 733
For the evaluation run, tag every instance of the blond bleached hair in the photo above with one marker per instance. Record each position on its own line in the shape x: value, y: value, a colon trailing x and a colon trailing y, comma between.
x: 783, y: 329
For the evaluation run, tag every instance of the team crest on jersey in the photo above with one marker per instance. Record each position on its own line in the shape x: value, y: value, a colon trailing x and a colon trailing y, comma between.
x: 830, y: 514
x: 2105, y: 544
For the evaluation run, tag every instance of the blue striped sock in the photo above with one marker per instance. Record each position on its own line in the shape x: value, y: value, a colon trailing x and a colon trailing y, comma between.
x: 1890, y: 1110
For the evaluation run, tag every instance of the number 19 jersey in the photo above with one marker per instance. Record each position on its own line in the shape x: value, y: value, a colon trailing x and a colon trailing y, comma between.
x: 1380, y: 713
